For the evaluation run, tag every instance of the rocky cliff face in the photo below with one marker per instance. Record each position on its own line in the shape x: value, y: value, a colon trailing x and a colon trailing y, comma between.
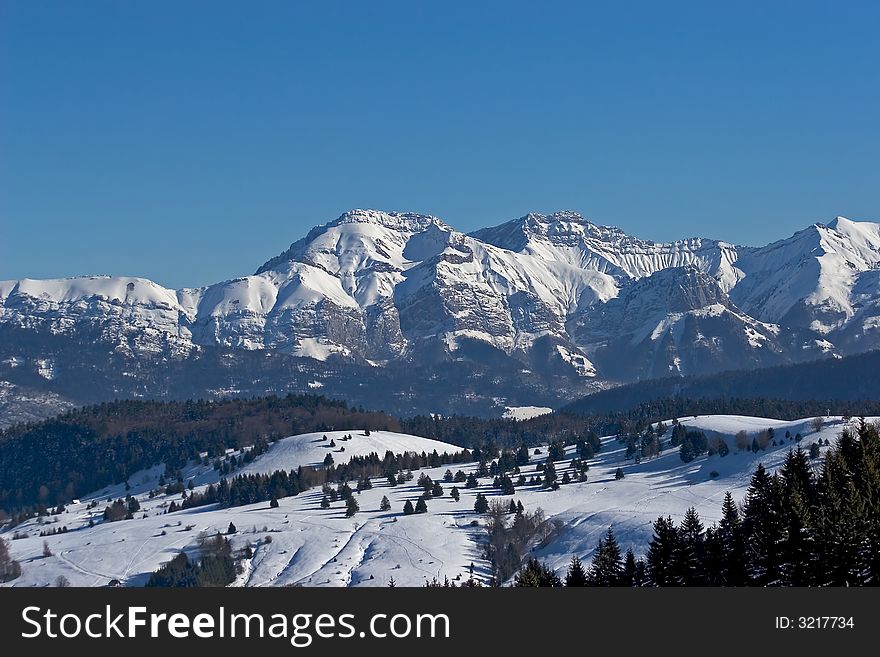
x: 555, y: 295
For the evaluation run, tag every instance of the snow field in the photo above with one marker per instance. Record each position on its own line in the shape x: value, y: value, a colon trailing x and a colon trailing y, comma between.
x: 316, y: 547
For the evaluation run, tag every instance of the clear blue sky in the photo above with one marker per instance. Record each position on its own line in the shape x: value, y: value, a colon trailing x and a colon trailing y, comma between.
x: 190, y: 141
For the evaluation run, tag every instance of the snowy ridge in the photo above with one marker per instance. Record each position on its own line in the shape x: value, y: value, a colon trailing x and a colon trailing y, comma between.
x: 378, y: 286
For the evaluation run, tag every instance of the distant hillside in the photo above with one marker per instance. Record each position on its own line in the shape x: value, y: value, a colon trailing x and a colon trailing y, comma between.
x: 850, y: 379
x: 83, y: 450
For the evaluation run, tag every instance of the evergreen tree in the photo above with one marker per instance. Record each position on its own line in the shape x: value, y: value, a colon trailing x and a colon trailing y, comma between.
x: 325, y: 502
x: 351, y: 507
x: 455, y: 494
x: 731, y: 545
x: 231, y: 529
x: 385, y: 504
x: 633, y: 570
x: 618, y: 474
x: 607, y: 568
x: 799, y: 551
x: 689, y: 562
x: 273, y: 503
x: 576, y: 575
x: 535, y: 574
x: 481, y: 505
x: 421, y: 506
x: 408, y: 509
x: 764, y: 529
x: 522, y: 455
x: 660, y: 563
x: 797, y: 475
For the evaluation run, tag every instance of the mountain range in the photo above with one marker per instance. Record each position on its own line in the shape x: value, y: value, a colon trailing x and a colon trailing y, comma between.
x: 553, y: 306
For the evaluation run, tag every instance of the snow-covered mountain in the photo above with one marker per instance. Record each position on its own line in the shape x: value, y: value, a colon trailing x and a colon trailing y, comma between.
x: 556, y: 296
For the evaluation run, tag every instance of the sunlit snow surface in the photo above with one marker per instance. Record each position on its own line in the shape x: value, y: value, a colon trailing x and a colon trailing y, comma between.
x: 318, y: 547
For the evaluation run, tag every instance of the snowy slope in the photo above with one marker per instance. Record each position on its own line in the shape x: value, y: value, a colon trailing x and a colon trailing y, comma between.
x: 810, y: 277
x: 310, y: 448
x: 319, y: 547
x: 569, y: 237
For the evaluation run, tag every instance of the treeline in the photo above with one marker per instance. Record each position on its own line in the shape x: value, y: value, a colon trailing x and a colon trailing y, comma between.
x: 254, y: 488
x: 86, y: 449
x: 796, y: 527
x: 853, y: 380
x: 501, y: 433
x: 54, y: 461
x: 572, y: 423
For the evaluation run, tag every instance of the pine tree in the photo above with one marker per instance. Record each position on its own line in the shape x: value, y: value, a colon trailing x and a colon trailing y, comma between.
x: 689, y: 561
x: 231, y: 529
x: 618, y: 474
x: 731, y: 545
x: 408, y: 509
x: 325, y: 502
x: 660, y: 564
x: 385, y: 504
x: 799, y: 552
x: 797, y: 475
x: 576, y: 575
x: 764, y: 529
x: 481, y: 505
x: 535, y: 574
x: 351, y: 507
x: 273, y: 503
x: 633, y: 570
x: 844, y: 522
x: 421, y: 506
x: 455, y: 494
x: 607, y: 568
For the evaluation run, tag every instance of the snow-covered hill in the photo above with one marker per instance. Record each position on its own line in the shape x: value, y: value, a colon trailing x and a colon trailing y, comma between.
x: 556, y: 295
x: 321, y: 547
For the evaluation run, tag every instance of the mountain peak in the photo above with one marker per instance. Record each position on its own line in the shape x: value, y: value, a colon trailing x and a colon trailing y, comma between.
x: 565, y: 222
x: 407, y: 221
x: 839, y: 221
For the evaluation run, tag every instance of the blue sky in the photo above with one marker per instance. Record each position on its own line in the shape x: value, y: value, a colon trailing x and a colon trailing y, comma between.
x: 190, y: 141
